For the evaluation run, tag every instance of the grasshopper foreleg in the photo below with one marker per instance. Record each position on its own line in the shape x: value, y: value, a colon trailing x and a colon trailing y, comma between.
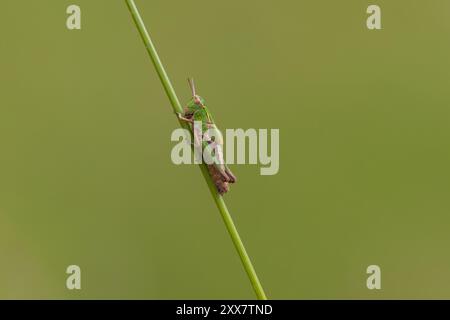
x: 181, y: 117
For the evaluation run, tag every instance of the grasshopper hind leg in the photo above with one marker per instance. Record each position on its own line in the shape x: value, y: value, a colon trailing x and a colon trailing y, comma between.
x: 232, y: 177
x: 221, y: 185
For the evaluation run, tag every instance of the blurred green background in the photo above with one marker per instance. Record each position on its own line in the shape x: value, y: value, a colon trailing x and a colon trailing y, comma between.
x: 85, y: 170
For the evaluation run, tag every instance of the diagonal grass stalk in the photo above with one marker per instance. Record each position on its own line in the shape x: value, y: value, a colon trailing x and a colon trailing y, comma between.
x: 248, y: 266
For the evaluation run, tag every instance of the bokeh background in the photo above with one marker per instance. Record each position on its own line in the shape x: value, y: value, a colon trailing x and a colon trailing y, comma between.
x: 85, y: 170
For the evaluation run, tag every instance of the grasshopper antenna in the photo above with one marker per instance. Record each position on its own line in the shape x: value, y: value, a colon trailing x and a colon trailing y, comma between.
x: 192, y: 85
x: 194, y: 94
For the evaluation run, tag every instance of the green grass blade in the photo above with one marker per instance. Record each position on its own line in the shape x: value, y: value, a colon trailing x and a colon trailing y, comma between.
x: 218, y: 199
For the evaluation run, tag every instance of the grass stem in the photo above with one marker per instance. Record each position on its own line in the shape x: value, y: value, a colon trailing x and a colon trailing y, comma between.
x: 218, y: 199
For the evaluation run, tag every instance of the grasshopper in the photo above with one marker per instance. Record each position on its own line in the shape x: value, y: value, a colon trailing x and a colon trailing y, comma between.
x: 197, y: 112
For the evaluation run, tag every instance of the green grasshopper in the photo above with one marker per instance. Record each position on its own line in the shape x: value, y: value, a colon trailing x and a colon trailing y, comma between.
x: 197, y: 112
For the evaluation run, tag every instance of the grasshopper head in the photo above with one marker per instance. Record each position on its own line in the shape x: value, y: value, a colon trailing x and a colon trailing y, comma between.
x: 195, y: 103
